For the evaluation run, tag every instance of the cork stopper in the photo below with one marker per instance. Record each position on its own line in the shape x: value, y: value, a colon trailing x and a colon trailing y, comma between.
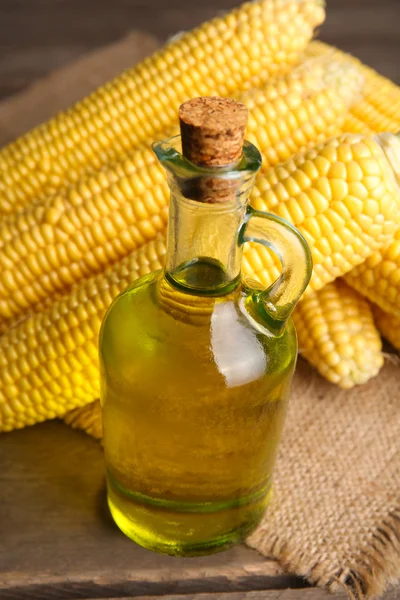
x: 212, y: 133
x: 212, y: 130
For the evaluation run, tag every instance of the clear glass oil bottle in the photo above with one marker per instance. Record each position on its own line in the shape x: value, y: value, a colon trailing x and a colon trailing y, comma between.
x: 196, y: 370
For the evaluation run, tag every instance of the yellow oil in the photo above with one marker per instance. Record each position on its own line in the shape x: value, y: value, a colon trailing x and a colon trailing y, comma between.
x: 194, y: 395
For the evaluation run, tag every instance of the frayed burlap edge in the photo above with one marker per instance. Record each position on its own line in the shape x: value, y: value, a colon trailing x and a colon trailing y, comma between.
x: 368, y: 576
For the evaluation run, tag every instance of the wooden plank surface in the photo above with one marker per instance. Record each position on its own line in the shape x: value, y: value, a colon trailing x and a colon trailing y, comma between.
x: 37, y: 36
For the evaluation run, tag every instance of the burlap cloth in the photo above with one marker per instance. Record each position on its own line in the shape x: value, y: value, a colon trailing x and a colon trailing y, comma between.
x: 335, y: 513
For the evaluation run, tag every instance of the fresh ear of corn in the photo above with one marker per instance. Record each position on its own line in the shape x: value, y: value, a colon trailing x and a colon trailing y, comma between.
x: 49, y: 361
x: 307, y: 106
x: 343, y: 219
x: 63, y: 239
x: 287, y: 114
x: 388, y: 325
x: 378, y: 278
x: 343, y: 195
x: 379, y: 110
x: 337, y: 335
x: 242, y: 48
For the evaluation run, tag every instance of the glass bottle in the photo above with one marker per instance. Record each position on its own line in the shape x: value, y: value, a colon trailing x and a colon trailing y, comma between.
x: 196, y: 367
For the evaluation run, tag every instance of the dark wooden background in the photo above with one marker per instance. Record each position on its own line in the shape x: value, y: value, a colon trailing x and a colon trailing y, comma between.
x: 37, y: 36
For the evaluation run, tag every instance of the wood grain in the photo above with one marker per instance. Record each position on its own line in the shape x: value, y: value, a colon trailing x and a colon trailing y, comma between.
x: 38, y: 36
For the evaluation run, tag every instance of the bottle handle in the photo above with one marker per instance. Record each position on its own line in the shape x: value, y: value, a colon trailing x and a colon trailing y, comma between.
x: 280, y: 298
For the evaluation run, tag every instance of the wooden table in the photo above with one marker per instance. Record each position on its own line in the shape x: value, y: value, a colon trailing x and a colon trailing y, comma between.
x: 57, y: 538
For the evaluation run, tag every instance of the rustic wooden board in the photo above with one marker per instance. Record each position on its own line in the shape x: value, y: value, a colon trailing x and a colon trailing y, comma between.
x: 38, y: 36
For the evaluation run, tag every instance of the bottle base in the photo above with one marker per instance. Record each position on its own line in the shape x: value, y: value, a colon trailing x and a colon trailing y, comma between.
x: 165, y: 530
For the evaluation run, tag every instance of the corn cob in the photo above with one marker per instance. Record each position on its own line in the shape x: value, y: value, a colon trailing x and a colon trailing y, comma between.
x: 378, y: 278
x: 379, y: 110
x: 240, y: 49
x: 271, y: 195
x: 301, y: 109
x: 388, y: 325
x: 342, y: 195
x: 55, y: 243
x: 287, y: 114
x: 49, y: 361
x: 337, y: 335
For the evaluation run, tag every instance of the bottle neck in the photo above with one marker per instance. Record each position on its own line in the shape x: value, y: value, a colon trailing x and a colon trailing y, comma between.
x: 203, y: 254
x: 207, y: 208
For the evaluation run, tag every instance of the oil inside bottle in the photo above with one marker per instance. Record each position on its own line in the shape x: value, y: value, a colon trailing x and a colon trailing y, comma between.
x: 194, y: 399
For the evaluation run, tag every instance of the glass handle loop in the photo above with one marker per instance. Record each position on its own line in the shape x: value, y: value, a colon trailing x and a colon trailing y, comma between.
x: 280, y: 298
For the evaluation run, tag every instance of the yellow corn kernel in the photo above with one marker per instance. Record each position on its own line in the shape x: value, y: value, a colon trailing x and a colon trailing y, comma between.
x: 234, y: 51
x: 72, y: 235
x: 388, y: 325
x: 337, y: 335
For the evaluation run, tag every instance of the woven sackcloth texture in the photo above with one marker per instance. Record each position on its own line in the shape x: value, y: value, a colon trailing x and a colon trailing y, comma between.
x: 334, y: 517
x: 335, y: 514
